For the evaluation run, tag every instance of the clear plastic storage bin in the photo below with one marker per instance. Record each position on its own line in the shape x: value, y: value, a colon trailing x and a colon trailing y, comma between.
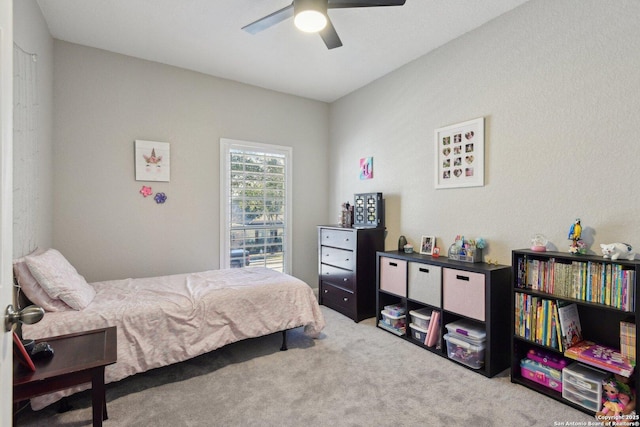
x: 418, y: 333
x: 465, y: 352
x: 421, y: 317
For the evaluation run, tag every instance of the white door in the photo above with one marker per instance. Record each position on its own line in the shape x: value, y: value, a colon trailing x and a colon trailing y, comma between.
x: 6, y: 206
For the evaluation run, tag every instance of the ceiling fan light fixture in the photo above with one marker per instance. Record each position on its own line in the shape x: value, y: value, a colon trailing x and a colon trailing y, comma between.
x: 310, y: 21
x: 310, y: 15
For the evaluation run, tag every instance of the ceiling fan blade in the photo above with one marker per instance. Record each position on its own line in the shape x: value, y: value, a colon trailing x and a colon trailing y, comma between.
x: 270, y: 20
x: 330, y: 36
x: 337, y: 4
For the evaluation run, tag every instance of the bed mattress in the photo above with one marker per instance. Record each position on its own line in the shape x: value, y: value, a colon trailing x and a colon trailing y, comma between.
x: 169, y: 319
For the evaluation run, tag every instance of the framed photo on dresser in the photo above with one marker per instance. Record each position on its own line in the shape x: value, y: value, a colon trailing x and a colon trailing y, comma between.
x: 427, y: 244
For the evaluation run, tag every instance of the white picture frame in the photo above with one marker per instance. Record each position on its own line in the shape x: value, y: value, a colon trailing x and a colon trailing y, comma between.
x: 427, y: 243
x: 459, y: 155
x: 152, y: 161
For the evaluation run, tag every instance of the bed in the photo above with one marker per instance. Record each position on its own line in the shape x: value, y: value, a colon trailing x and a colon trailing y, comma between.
x: 168, y: 319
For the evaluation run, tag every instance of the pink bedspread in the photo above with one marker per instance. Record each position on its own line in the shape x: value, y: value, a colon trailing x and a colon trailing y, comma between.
x: 164, y: 320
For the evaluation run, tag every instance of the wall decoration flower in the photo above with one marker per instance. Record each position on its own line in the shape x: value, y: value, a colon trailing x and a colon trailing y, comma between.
x: 146, y: 191
x: 160, y: 198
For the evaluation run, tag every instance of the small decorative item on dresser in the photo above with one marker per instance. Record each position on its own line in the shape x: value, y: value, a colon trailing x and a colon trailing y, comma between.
x: 369, y: 210
x: 617, y: 250
x: 467, y: 250
x: 575, y: 233
x: 408, y: 248
x: 539, y: 243
x: 346, y: 219
x: 401, y: 242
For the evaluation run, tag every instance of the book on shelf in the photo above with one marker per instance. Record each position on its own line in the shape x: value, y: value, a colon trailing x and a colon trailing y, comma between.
x: 577, y: 348
x: 605, y: 283
x: 601, y: 356
x: 570, y: 327
x: 628, y: 339
x: 556, y: 319
x: 536, y: 319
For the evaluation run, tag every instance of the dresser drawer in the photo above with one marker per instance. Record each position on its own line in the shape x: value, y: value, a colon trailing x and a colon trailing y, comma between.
x: 463, y: 293
x: 338, y: 299
x: 425, y: 282
x: 337, y: 257
x: 393, y: 276
x: 345, y: 239
x: 337, y: 276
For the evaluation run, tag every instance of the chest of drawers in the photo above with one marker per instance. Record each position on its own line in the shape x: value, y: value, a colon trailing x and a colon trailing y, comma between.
x: 347, y: 269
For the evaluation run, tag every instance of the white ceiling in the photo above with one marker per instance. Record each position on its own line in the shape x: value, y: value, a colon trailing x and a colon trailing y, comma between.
x: 206, y: 36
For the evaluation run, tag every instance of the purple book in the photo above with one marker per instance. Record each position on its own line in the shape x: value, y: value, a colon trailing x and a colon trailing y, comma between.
x: 600, y: 356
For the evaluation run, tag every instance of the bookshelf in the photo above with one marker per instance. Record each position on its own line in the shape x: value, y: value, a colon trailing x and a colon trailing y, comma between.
x: 457, y: 291
x: 603, y: 291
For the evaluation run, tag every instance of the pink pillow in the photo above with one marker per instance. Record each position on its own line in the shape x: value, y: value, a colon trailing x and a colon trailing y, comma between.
x: 60, y: 280
x: 29, y: 285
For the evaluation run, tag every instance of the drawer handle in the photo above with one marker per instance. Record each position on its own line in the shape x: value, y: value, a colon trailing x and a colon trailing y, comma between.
x: 424, y: 270
x: 393, y: 264
x: 465, y: 278
x: 345, y: 299
x: 346, y: 240
x: 345, y: 280
x: 326, y: 291
x: 346, y: 259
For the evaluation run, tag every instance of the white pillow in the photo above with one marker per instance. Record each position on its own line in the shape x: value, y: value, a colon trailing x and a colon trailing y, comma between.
x: 32, y: 290
x: 60, y: 280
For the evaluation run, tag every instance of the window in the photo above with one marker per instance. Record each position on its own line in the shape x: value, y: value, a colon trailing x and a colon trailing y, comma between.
x: 255, y: 209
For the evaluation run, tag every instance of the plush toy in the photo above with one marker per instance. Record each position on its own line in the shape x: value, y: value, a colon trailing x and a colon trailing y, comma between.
x: 614, y: 401
x: 617, y: 250
x: 618, y: 399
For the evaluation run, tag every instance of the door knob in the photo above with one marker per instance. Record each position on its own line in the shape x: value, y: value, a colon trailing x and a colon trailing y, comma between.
x: 29, y: 315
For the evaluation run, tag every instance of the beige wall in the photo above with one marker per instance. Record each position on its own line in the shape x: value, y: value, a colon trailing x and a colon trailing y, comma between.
x: 105, y: 101
x: 32, y: 35
x: 557, y: 83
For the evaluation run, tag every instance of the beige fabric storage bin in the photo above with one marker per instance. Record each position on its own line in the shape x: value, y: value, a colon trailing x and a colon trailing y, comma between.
x: 425, y: 283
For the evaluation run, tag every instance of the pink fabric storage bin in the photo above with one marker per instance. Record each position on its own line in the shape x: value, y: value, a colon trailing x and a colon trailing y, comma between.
x: 463, y: 293
x: 393, y: 276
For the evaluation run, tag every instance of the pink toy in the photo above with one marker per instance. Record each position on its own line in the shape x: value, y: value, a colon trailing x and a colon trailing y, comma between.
x: 618, y: 400
x: 547, y: 359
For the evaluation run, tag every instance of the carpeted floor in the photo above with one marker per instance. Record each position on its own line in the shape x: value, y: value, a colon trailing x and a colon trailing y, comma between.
x: 354, y: 375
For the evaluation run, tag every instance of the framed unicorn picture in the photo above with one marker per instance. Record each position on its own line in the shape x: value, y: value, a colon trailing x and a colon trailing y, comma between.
x: 153, y: 161
x: 459, y: 155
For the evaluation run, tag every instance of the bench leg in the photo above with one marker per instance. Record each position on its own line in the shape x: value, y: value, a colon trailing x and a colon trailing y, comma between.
x: 284, y: 341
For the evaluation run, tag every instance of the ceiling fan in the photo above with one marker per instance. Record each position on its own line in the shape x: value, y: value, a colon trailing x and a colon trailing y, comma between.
x: 311, y: 16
